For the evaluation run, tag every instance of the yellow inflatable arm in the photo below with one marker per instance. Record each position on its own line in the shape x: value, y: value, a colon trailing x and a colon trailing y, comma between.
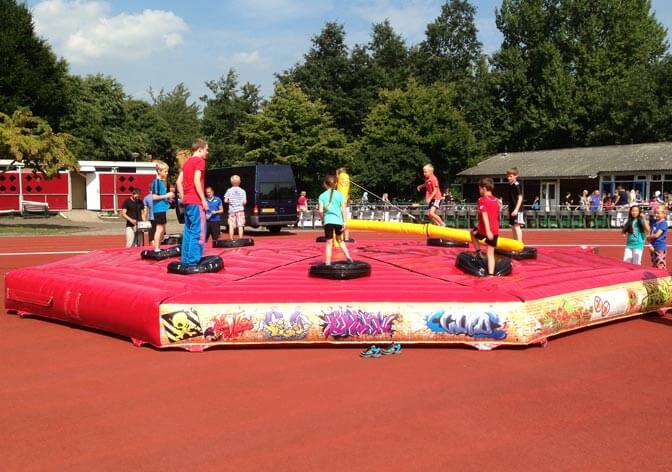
x: 431, y: 231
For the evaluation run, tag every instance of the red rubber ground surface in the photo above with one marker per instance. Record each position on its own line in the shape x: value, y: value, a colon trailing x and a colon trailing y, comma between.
x: 72, y: 399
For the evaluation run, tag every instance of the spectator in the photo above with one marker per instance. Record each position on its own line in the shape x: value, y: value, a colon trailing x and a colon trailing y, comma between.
x: 568, y: 201
x: 132, y: 211
x: 622, y: 197
x: 236, y: 198
x: 658, y: 238
x: 148, y: 201
x: 638, y: 197
x: 632, y: 196
x: 595, y: 202
x: 302, y: 202
x: 583, y: 201
x: 302, y: 206
x: 535, y: 204
x: 214, y: 214
x: 608, y: 203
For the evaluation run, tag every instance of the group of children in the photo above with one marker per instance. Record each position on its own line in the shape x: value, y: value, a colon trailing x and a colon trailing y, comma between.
x: 637, y: 229
x: 202, y: 208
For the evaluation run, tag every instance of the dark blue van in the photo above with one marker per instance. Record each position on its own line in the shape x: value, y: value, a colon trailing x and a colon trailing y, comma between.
x: 271, y: 193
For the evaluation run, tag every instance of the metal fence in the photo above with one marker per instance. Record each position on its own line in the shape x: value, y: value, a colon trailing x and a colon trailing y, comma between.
x: 461, y: 215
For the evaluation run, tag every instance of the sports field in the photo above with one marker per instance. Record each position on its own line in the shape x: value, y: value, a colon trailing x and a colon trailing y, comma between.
x: 75, y: 399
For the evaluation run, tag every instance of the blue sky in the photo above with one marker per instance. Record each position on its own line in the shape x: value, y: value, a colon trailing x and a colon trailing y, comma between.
x: 145, y: 43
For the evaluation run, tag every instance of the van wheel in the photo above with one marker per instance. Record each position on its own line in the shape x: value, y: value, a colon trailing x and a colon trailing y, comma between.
x: 274, y: 229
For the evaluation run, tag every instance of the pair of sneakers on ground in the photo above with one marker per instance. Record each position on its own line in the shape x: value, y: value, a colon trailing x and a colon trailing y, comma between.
x: 375, y: 351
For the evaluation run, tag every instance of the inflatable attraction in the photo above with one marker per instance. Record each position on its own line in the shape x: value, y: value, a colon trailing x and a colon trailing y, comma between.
x: 263, y: 294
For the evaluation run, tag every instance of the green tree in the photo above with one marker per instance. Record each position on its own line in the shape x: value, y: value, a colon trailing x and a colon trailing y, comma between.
x: 577, y: 73
x: 327, y: 75
x: 30, y: 74
x: 450, y: 51
x: 291, y: 129
x: 108, y: 125
x: 223, y: 117
x: 425, y: 119
x: 29, y: 139
x: 149, y: 134
x: 389, y: 57
x: 181, y: 116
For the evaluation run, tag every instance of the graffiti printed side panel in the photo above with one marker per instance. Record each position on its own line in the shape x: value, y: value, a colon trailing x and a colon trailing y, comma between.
x: 357, y: 322
x: 449, y: 322
x: 577, y: 310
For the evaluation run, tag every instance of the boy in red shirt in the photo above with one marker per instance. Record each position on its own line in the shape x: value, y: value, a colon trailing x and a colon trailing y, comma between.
x: 488, y: 222
x: 432, y: 194
x: 191, y: 185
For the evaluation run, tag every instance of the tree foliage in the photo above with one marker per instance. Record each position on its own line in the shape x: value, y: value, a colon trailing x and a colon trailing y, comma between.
x: 108, y: 125
x: 29, y: 139
x: 420, y: 118
x: 223, y: 117
x: 181, y: 117
x: 450, y: 50
x: 327, y: 74
x: 30, y: 75
x: 291, y: 129
x: 577, y: 73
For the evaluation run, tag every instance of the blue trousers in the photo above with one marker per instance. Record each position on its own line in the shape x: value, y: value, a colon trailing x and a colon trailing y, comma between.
x: 193, y: 239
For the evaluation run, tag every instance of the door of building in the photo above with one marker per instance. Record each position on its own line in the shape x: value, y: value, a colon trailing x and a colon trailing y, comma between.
x: 549, y: 197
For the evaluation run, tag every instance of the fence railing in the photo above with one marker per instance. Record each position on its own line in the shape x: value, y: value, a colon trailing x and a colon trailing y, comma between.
x: 461, y: 215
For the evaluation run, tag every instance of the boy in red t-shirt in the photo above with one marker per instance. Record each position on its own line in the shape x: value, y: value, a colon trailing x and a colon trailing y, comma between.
x: 432, y: 194
x: 488, y: 222
x: 191, y: 185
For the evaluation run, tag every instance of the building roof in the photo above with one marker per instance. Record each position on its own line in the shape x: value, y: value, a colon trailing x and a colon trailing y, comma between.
x: 585, y: 162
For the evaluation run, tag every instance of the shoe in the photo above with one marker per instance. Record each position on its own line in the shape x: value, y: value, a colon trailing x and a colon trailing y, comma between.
x: 391, y: 350
x: 372, y: 351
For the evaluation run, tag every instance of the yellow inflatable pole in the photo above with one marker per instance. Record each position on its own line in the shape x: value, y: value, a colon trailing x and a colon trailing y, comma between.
x: 431, y: 231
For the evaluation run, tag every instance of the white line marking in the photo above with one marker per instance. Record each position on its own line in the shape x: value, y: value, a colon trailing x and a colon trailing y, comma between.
x: 42, y: 253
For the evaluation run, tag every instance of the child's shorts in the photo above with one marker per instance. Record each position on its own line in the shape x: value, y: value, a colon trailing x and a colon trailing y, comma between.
x: 490, y: 242
x: 237, y: 219
x: 330, y: 229
x: 658, y: 258
x: 160, y: 218
x: 434, y: 204
x: 517, y: 220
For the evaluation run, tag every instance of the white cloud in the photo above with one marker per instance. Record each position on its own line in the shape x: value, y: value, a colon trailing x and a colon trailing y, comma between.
x: 249, y: 58
x: 408, y: 19
x: 84, y: 30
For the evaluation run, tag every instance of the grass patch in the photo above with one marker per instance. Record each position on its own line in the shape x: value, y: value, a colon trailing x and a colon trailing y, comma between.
x: 39, y: 229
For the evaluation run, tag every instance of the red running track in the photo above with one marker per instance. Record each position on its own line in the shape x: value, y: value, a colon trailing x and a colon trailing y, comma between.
x: 74, y: 399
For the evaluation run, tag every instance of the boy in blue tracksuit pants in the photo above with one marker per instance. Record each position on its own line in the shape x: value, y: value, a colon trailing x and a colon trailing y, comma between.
x: 191, y: 185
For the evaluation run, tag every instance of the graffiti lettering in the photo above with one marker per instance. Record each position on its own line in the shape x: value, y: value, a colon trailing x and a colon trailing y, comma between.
x: 275, y: 326
x: 601, y: 307
x: 475, y: 325
x: 227, y: 327
x: 343, y: 322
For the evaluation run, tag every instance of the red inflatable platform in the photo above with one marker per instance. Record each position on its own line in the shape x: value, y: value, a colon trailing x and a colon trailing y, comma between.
x: 264, y: 295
